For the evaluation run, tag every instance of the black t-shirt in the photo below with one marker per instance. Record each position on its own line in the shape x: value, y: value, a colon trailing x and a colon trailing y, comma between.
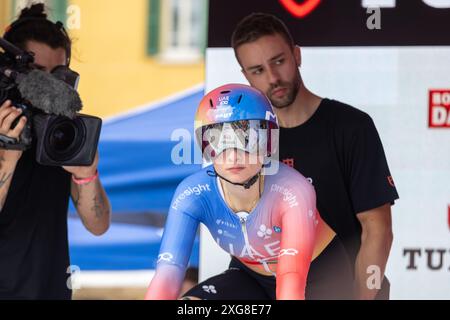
x: 340, y: 150
x: 34, y: 254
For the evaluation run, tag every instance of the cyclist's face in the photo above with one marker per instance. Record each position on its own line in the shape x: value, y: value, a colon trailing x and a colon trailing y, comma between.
x: 45, y: 57
x: 237, y: 165
x: 270, y: 65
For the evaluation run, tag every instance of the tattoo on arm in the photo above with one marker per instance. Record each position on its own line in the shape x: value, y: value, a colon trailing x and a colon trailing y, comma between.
x: 76, y: 196
x: 98, y: 206
x: 4, y: 177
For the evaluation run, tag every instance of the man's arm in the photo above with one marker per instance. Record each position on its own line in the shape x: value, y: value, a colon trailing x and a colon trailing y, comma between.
x: 6, y: 173
x: 9, y: 158
x: 376, y: 241
x: 90, y: 199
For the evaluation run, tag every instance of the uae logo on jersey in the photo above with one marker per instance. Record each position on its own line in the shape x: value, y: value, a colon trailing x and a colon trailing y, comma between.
x: 288, y: 252
x: 165, y: 256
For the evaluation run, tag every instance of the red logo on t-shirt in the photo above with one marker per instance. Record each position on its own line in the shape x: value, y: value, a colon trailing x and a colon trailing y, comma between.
x: 391, y: 181
x: 439, y: 109
x: 300, y: 10
x: 289, y: 162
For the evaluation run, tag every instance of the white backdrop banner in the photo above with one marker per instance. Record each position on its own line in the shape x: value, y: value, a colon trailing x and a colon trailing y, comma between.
x: 374, y: 56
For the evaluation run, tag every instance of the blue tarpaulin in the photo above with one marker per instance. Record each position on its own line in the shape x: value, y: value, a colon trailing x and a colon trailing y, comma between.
x: 139, y: 176
x: 136, y: 165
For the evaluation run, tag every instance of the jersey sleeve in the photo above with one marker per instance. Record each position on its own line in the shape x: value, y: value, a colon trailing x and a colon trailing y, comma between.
x: 176, y: 246
x: 298, y: 224
x: 370, y: 182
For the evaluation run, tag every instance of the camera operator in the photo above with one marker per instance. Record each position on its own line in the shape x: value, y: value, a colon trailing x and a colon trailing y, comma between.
x: 34, y: 255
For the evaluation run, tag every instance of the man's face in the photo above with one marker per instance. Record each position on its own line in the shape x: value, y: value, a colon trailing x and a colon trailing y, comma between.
x: 46, y: 58
x: 270, y: 65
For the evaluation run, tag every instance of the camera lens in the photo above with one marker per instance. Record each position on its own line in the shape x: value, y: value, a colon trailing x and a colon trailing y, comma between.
x: 65, y: 138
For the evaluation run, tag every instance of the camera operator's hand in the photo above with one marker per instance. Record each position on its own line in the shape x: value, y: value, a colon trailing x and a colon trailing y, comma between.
x: 9, y: 113
x: 9, y: 158
x: 83, y: 172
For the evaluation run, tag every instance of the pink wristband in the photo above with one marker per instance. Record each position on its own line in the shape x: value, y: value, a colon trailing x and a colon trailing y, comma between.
x: 85, y: 180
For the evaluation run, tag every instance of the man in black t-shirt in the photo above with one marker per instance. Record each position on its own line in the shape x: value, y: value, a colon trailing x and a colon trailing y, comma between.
x: 34, y: 253
x: 333, y: 144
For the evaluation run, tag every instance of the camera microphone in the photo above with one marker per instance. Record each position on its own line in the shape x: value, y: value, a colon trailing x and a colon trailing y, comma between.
x: 47, y: 93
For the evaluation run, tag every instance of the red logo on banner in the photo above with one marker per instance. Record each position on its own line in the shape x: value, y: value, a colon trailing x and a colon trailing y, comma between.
x: 439, y: 109
x: 300, y: 10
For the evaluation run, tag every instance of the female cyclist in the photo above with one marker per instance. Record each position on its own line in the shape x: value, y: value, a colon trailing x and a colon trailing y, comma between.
x: 267, y: 223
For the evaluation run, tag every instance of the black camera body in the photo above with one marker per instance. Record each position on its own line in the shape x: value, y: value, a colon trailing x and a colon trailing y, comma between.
x: 59, y: 140
x: 64, y: 141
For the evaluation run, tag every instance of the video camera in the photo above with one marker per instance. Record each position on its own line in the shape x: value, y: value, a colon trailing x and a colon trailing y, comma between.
x: 63, y: 137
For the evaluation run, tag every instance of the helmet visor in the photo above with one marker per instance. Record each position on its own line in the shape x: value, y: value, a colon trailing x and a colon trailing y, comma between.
x: 246, y: 135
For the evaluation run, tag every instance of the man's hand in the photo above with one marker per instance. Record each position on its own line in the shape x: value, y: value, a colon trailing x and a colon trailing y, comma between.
x: 83, y: 172
x: 9, y: 113
x: 376, y: 241
x: 9, y: 158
